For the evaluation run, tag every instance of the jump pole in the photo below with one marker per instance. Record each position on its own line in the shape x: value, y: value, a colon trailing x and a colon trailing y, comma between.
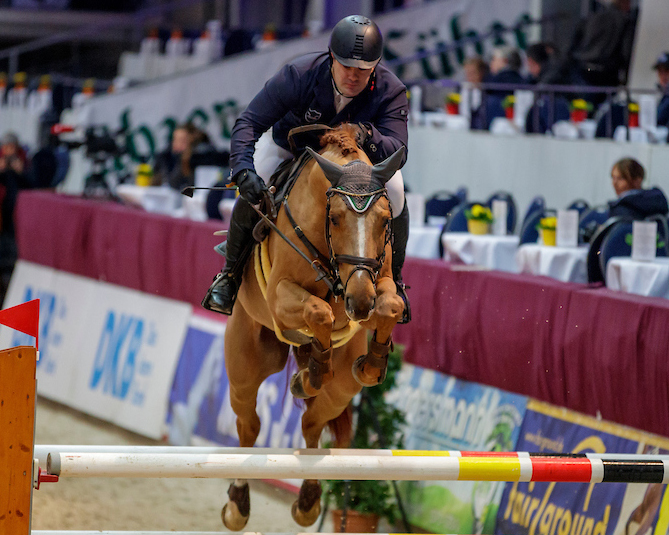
x: 396, y: 465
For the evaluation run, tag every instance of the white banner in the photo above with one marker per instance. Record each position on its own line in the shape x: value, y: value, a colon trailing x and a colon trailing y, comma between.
x: 106, y: 350
x: 213, y: 96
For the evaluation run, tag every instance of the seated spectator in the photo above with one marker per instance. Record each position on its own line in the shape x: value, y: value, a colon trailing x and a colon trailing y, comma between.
x: 190, y: 147
x: 476, y: 70
x: 601, y: 48
x: 13, y: 177
x: 504, y: 69
x: 662, y: 68
x: 633, y: 201
x: 537, y: 62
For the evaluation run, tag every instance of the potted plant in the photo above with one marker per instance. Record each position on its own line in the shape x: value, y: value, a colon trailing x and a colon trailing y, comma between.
x: 579, y: 109
x: 453, y: 103
x: 633, y: 114
x: 546, y: 228
x: 479, y: 218
x: 358, y: 505
x: 508, y: 104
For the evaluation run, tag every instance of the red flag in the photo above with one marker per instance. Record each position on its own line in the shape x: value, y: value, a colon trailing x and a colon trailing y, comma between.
x: 24, y: 318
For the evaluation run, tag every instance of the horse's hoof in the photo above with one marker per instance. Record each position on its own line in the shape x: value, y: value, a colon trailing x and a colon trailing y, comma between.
x: 361, y: 373
x: 307, y: 518
x: 300, y: 387
x: 232, y: 518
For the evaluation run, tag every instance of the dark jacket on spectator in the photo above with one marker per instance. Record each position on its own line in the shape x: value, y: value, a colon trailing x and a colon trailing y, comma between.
x: 639, y: 204
x: 663, y: 110
x: 493, y: 98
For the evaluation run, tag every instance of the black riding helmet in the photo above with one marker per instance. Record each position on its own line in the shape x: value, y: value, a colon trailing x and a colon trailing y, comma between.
x: 356, y: 42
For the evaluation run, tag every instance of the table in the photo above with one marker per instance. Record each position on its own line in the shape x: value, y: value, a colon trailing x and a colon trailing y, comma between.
x: 567, y: 264
x: 492, y: 252
x: 641, y: 278
x: 423, y: 242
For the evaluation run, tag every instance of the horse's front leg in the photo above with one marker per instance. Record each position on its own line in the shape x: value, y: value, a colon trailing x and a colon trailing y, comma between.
x: 293, y: 308
x: 370, y: 369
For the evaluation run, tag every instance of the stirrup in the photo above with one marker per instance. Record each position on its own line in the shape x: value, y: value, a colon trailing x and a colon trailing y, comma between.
x: 401, y: 289
x: 225, y: 307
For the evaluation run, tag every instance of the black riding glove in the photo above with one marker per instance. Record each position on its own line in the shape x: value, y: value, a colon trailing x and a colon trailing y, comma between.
x: 363, y: 133
x: 250, y: 185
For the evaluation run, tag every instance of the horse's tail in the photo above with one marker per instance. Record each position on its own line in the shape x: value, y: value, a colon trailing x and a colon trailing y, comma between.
x: 341, y: 427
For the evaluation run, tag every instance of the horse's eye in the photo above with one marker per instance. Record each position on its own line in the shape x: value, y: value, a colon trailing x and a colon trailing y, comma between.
x: 334, y: 220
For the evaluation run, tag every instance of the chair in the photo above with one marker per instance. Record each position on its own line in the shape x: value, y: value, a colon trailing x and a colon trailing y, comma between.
x: 594, y: 268
x: 511, y: 212
x: 529, y: 232
x: 590, y: 220
x: 579, y: 204
x: 615, y: 243
x: 537, y: 203
x: 441, y: 204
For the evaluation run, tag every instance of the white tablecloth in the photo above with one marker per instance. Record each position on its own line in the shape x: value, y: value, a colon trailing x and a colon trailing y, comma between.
x: 642, y: 278
x: 493, y: 252
x: 567, y: 264
x: 423, y: 242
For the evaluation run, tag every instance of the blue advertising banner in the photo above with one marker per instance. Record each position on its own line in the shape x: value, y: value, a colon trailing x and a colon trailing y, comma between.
x: 445, y: 413
x: 200, y: 396
x: 564, y: 508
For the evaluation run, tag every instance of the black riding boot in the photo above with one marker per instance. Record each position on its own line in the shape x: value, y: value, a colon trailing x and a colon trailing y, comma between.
x: 400, y: 228
x: 222, y: 293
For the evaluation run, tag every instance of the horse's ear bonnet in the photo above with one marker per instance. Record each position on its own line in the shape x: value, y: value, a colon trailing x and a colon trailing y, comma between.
x: 358, y: 172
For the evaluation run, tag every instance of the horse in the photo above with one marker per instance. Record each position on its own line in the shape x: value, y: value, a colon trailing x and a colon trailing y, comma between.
x: 338, y: 215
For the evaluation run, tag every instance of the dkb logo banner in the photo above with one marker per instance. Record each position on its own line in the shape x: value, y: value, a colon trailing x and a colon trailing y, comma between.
x: 107, y: 351
x: 200, y: 399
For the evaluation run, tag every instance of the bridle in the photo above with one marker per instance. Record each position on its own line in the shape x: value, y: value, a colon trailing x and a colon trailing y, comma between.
x: 328, y: 266
x: 360, y: 203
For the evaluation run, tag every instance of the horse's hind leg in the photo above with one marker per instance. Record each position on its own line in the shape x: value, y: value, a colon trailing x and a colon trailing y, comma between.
x: 252, y: 354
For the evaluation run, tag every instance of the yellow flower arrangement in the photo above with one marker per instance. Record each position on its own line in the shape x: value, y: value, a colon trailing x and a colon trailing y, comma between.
x: 580, y: 104
x: 453, y: 98
x: 508, y: 101
x: 479, y: 213
x: 547, y: 223
x: 633, y: 107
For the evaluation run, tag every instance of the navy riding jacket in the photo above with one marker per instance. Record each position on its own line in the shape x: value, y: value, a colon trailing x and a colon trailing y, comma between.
x: 302, y: 93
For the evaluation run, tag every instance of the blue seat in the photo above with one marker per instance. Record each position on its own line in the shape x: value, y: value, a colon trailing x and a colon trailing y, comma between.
x: 595, y: 273
x: 662, y: 234
x: 579, y: 204
x: 590, y: 220
x: 457, y: 220
x: 529, y: 232
x: 616, y: 242
x: 511, y: 212
x: 441, y: 204
x: 538, y: 203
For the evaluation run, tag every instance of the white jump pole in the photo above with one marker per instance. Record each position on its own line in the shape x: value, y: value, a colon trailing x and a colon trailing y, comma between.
x: 256, y: 466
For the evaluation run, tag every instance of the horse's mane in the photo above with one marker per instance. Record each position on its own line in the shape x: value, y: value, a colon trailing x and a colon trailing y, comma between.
x: 343, y: 136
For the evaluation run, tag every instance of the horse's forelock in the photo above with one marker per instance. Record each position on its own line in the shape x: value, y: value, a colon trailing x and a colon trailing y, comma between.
x: 343, y: 136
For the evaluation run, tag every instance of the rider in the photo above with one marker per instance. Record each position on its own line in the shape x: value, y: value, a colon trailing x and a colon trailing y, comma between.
x: 345, y: 84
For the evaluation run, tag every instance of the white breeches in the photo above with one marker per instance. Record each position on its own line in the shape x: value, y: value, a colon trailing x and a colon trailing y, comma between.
x: 268, y: 155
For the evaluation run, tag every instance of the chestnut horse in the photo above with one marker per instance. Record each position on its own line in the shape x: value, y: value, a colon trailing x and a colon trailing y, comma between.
x: 340, y: 204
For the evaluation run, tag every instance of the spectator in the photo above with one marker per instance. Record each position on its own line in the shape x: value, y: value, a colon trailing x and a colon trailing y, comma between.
x: 537, y: 62
x: 13, y: 177
x: 504, y: 69
x: 476, y: 70
x: 662, y: 68
x: 190, y: 147
x: 627, y: 176
x: 602, y: 45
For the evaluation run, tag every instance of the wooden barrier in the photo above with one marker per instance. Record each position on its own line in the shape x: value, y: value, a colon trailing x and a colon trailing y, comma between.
x: 17, y: 421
